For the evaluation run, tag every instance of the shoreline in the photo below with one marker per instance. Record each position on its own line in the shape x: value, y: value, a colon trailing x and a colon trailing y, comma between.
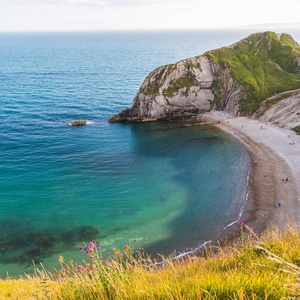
x: 268, y: 146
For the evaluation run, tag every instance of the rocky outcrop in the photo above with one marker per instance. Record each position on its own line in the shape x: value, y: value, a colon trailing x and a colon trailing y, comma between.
x: 78, y: 122
x: 190, y: 87
x: 234, y: 79
x: 285, y: 114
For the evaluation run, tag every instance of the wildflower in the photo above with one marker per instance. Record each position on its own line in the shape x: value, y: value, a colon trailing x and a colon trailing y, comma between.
x: 80, y: 267
x: 251, y: 228
x: 94, y: 262
x: 81, y: 249
x: 67, y: 263
x: 252, y: 236
x: 134, y: 240
x: 137, y: 251
x: 60, y: 258
x: 91, y: 257
x: 87, y: 265
x: 87, y: 252
x: 98, y: 246
x: 121, y: 254
x: 241, y: 223
x: 100, y: 257
x: 107, y: 253
x: 143, y: 249
x: 94, y: 241
x: 91, y: 245
x: 253, y: 243
x: 64, y: 270
x: 97, y: 269
x: 83, y: 243
x: 64, y: 275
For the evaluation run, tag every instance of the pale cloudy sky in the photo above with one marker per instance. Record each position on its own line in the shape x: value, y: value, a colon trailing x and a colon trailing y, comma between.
x: 74, y: 15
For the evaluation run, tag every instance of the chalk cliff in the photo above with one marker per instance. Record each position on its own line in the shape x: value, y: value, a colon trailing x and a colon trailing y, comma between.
x: 235, y: 79
x: 285, y: 113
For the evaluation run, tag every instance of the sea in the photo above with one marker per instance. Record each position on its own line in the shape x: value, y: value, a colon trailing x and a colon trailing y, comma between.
x: 171, y: 185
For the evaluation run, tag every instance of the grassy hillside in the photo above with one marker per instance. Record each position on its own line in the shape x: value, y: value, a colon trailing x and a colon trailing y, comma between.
x: 265, y: 268
x: 263, y: 63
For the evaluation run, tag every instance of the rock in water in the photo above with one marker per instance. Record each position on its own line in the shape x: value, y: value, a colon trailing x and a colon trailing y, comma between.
x: 78, y: 122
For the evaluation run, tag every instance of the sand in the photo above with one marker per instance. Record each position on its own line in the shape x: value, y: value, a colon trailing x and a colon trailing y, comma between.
x: 275, y: 157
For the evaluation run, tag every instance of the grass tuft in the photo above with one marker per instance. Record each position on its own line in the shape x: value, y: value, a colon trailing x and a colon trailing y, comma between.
x: 253, y: 268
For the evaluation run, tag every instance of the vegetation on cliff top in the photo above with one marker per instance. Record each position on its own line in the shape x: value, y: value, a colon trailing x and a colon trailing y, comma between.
x: 253, y: 268
x: 263, y: 63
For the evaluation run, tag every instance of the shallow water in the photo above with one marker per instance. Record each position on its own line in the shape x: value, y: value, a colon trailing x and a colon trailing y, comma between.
x: 169, y: 185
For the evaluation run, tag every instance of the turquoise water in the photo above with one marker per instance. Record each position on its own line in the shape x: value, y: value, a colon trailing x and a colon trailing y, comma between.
x: 169, y: 185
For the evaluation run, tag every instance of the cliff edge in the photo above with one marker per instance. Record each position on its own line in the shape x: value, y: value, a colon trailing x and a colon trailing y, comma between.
x: 235, y: 79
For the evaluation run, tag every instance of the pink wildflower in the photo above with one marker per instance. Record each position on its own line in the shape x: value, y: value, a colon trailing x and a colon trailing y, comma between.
x: 100, y: 257
x: 94, y: 262
x: 137, y: 251
x: 91, y: 257
x: 80, y: 267
x: 81, y: 248
x: 241, y: 223
x: 98, y: 246
x: 91, y: 245
x: 134, y: 240
x: 251, y: 228
x: 107, y: 253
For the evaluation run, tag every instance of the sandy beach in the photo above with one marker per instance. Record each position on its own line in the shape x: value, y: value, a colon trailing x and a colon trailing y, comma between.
x: 274, y: 190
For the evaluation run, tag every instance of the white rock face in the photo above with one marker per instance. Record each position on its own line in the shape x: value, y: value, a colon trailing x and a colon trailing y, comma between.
x: 183, y: 89
x: 285, y: 114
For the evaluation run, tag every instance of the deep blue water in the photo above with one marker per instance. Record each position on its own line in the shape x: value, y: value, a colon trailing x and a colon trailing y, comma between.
x: 168, y: 185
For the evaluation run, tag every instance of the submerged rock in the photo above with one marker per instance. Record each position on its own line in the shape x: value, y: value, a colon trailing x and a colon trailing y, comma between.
x: 78, y: 122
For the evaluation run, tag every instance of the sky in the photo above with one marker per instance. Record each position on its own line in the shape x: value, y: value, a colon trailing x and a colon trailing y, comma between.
x: 98, y: 15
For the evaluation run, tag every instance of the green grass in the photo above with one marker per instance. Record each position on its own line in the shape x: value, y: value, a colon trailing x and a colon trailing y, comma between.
x: 253, y: 64
x: 253, y: 268
x: 296, y: 129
